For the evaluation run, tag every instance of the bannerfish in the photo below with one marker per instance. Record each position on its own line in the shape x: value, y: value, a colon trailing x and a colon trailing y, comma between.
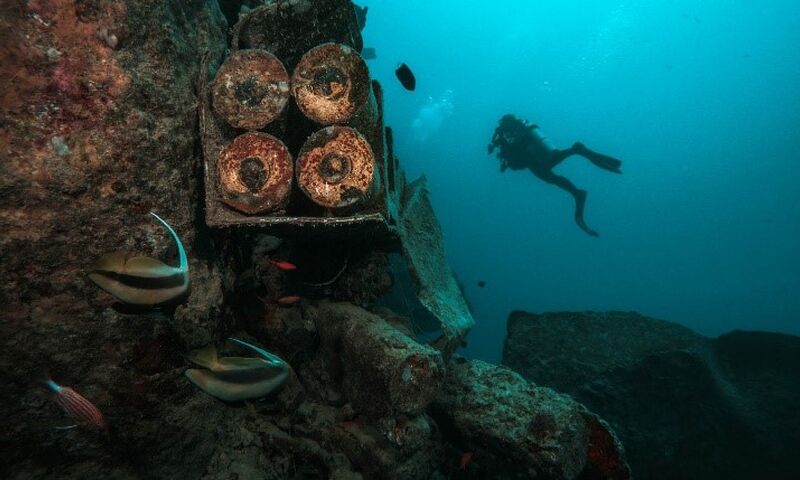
x: 233, y: 379
x: 81, y: 410
x: 138, y: 280
x: 406, y: 77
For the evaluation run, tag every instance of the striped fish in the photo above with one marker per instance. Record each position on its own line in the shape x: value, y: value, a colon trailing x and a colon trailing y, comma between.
x: 234, y: 379
x: 138, y: 280
x: 81, y: 410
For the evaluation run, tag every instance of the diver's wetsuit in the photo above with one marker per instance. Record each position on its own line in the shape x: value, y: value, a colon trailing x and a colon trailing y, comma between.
x: 523, y: 146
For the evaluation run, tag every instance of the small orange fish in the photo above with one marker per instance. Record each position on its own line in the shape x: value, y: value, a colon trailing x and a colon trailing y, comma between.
x: 465, y: 459
x: 288, y: 300
x: 284, y: 265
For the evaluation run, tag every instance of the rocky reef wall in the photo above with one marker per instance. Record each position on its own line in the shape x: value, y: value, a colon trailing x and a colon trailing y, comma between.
x: 685, y: 406
x: 98, y: 129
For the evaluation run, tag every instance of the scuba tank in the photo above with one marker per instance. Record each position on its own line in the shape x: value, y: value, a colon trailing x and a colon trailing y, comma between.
x: 519, y: 143
x: 539, y: 138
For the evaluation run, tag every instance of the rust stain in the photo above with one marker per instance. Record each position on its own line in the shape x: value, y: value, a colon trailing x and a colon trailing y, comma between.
x: 330, y: 83
x: 255, y: 190
x: 354, y: 183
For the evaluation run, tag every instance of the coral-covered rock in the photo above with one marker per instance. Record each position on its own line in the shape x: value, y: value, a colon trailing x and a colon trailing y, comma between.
x: 383, y: 371
x: 515, y: 429
x: 684, y: 406
x: 98, y: 128
x: 393, y: 448
x: 197, y: 321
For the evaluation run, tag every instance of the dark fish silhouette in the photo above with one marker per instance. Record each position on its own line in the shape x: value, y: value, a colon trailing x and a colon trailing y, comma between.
x: 406, y: 77
x: 481, y: 284
x: 361, y: 16
x: 369, y: 53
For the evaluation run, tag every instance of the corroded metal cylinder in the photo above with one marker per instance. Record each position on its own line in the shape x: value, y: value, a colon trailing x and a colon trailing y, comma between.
x: 336, y: 167
x: 330, y: 83
x: 368, y: 120
x: 255, y: 173
x: 251, y: 89
x: 274, y: 27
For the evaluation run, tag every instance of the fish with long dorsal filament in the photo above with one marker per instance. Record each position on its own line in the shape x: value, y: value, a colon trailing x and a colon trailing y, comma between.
x: 139, y: 280
x: 234, y: 379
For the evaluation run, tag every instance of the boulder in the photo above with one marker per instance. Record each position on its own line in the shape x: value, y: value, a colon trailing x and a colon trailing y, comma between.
x: 515, y: 429
x: 685, y: 406
x: 383, y: 371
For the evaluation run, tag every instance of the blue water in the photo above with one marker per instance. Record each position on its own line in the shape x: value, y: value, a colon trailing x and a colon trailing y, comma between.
x: 701, y: 101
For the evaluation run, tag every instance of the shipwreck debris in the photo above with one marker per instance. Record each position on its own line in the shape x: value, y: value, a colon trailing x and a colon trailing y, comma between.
x: 330, y: 83
x: 251, y: 89
x: 255, y: 173
x: 335, y: 167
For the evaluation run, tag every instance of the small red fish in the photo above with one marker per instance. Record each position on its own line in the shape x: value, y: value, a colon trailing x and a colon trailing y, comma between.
x: 349, y: 424
x: 284, y: 265
x: 288, y: 300
x: 465, y: 459
x: 82, y: 411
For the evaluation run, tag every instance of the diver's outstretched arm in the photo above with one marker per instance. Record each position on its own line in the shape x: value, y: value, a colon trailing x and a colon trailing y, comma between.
x: 578, y: 194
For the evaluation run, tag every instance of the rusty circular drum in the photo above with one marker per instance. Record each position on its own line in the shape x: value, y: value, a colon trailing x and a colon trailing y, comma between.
x: 330, y: 83
x: 255, y: 173
x: 335, y: 167
x: 251, y: 89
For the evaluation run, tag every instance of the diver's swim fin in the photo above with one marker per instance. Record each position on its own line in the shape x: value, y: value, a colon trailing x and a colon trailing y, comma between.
x: 585, y: 228
x: 603, y: 161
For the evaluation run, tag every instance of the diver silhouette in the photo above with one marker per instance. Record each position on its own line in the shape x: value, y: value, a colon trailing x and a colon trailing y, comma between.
x: 523, y: 146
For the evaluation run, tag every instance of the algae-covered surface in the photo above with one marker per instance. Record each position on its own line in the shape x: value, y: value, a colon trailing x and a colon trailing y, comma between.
x: 100, y: 126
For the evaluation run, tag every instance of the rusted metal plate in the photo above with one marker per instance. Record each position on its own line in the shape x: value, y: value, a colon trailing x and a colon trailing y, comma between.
x: 423, y: 249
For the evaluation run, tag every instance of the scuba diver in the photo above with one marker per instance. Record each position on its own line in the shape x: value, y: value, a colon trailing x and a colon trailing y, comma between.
x: 523, y: 146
